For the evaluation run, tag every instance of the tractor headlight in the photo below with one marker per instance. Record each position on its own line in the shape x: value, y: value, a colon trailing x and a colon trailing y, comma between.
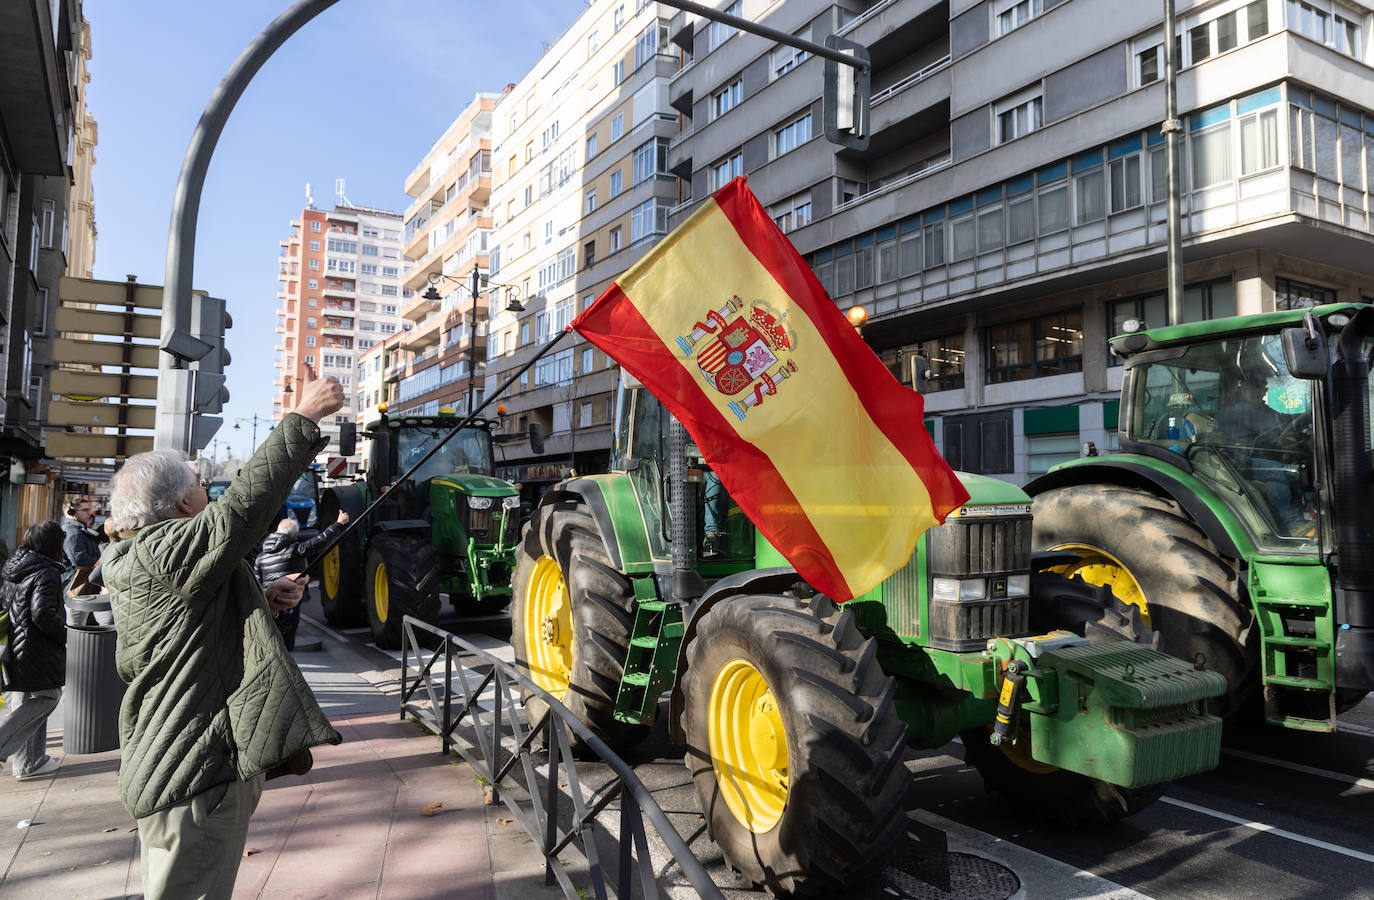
x: 958, y: 588
x: 511, y: 502
x: 313, y: 519
x: 1018, y: 585
x: 479, y: 503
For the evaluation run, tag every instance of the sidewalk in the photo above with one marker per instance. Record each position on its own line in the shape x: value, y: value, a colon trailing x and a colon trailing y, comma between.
x: 353, y: 827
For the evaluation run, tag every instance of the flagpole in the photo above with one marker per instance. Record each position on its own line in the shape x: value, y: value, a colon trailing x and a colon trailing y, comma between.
x: 354, y: 521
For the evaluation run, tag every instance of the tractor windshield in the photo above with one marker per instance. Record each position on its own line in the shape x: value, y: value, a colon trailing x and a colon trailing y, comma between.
x: 1232, y: 409
x: 466, y: 453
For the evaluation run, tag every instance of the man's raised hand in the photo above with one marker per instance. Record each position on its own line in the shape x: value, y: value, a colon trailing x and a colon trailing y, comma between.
x: 320, y: 397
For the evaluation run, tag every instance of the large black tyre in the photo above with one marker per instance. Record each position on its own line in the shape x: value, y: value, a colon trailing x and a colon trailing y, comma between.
x: 785, y: 697
x: 402, y: 580
x: 572, y: 619
x: 341, y: 577
x: 1154, y: 556
x: 1069, y: 797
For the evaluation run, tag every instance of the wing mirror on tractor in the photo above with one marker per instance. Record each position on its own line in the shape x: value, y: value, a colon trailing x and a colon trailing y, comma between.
x: 348, y: 438
x: 536, y: 438
x: 1304, y: 349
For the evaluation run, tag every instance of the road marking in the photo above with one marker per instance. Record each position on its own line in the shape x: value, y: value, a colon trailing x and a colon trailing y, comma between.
x: 1270, y: 829
x: 1347, y: 728
x: 1366, y: 783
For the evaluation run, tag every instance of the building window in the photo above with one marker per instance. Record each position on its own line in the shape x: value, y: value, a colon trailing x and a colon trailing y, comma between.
x: 314, y: 246
x: 591, y: 147
x: 990, y: 226
x: 726, y: 169
x: 648, y: 41
x: 618, y: 19
x: 618, y: 72
x: 933, y: 238
x: 616, y: 178
x: 1201, y: 302
x: 1259, y: 141
x: 1033, y: 348
x: 588, y: 359
x: 309, y: 340
x: 1044, y: 451
x: 589, y: 253
x: 792, y: 213
x: 592, y: 43
x: 616, y: 238
x: 792, y: 135
x: 589, y: 205
x: 1290, y: 294
x: 1089, y: 191
x: 1124, y: 182
x: 617, y: 126
x: 315, y: 226
x: 1018, y: 116
x: 786, y: 58
x: 650, y: 158
x: 1012, y: 14
x: 1211, y: 151
x: 961, y: 233
x: 944, y: 361
x: 727, y: 99
x: 648, y: 219
x: 314, y: 265
x: 718, y: 32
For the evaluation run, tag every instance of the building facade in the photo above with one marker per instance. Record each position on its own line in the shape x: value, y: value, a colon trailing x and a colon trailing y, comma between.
x: 340, y: 292
x: 447, y: 239
x: 581, y: 192
x: 41, y: 68
x: 1008, y: 214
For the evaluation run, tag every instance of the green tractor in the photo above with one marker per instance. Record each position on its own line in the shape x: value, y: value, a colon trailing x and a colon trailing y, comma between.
x: 796, y: 712
x: 451, y: 527
x: 1236, y: 521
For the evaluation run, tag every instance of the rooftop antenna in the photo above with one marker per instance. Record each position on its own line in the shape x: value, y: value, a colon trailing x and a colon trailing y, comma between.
x: 309, y: 197
x: 339, y: 192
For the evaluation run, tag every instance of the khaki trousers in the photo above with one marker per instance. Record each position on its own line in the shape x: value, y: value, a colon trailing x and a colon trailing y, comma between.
x: 192, y: 849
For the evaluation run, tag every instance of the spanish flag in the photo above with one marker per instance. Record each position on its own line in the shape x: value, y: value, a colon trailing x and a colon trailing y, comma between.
x: 811, y: 435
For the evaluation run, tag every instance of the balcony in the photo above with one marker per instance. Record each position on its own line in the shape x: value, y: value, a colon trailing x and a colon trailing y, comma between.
x: 393, y: 371
x: 341, y: 327
x: 421, y: 337
x: 418, y: 307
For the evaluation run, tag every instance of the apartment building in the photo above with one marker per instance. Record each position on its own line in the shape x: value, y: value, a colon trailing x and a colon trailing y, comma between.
x: 41, y: 45
x: 447, y: 238
x: 1009, y: 212
x: 340, y: 292
x: 581, y: 191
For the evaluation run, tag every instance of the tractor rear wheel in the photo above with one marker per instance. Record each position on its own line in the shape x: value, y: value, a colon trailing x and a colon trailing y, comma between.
x: 794, y: 743
x: 571, y: 619
x: 1053, y: 793
x: 341, y: 593
x: 1154, y: 557
x: 402, y: 580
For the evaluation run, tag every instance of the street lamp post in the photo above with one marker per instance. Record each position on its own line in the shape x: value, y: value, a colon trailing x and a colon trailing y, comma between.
x: 474, y: 289
x: 255, y: 419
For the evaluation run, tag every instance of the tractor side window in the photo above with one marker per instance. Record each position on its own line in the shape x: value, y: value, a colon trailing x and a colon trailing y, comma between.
x: 646, y: 443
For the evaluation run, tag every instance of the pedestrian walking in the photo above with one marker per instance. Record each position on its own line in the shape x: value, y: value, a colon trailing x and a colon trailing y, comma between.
x: 285, y: 554
x: 215, y: 703
x: 81, y: 543
x: 36, y: 659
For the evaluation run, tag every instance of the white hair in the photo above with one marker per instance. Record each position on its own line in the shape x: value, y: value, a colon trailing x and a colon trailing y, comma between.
x: 147, y: 487
x: 289, y: 526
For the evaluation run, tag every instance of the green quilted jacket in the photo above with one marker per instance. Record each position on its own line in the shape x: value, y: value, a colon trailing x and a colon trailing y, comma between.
x: 213, y: 694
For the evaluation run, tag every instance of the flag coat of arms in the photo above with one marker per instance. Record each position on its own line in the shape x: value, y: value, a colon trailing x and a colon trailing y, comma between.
x: 823, y: 450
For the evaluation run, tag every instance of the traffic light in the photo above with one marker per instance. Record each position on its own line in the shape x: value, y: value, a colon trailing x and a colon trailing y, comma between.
x: 845, y: 95
x: 187, y: 397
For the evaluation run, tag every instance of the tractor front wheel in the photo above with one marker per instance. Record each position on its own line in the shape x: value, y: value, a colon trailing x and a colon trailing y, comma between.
x: 793, y: 742
x: 402, y: 580
x: 1152, y: 556
x: 572, y: 619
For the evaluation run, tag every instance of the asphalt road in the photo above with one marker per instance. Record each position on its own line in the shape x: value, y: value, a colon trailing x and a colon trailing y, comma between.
x: 1286, y: 814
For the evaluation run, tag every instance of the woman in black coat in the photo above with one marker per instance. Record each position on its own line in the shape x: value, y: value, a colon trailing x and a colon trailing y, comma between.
x: 36, y: 659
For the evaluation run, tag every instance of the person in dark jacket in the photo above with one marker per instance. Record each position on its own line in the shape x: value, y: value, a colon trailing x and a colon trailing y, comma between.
x: 285, y: 554
x: 36, y: 661
x: 81, y: 544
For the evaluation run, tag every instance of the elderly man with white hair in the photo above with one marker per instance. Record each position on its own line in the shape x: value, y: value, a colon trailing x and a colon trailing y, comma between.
x: 215, y: 703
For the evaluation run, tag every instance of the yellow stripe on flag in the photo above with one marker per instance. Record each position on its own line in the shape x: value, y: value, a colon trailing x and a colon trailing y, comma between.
x: 861, y: 495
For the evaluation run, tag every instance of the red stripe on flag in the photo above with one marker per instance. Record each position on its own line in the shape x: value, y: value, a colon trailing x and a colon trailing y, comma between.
x: 616, y: 326
x: 894, y: 408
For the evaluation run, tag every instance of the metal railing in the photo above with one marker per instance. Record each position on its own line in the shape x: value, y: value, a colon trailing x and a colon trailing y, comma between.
x: 549, y: 803
x: 919, y: 75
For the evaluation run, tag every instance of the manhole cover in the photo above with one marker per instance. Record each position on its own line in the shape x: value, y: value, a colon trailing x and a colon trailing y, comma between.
x: 938, y: 876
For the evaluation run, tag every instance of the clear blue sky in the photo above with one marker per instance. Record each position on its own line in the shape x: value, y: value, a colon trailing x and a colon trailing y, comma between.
x: 360, y: 93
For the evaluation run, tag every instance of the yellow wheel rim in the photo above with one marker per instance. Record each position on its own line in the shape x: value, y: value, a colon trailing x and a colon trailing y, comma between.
x: 748, y: 744
x: 380, y: 598
x: 1098, y: 567
x: 548, y: 628
x: 331, y: 573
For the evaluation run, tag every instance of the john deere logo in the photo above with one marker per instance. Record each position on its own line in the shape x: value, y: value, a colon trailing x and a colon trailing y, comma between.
x: 999, y: 587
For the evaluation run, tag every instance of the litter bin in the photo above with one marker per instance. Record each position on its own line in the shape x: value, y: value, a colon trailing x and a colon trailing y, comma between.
x: 90, y: 720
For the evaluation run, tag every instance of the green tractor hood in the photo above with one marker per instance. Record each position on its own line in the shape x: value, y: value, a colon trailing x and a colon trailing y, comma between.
x: 476, y: 485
